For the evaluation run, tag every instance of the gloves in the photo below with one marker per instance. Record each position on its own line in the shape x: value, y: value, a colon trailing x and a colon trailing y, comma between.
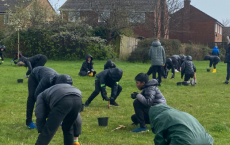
x: 134, y: 95
x: 26, y: 76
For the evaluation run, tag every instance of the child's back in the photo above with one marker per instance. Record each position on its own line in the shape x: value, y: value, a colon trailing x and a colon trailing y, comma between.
x: 188, y: 66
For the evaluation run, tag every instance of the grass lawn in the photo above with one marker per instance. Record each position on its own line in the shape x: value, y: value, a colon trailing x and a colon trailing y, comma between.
x: 208, y: 101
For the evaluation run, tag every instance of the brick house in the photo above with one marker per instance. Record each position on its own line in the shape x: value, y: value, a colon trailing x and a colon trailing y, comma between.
x: 226, y: 32
x: 5, y: 5
x: 72, y: 10
x: 191, y: 25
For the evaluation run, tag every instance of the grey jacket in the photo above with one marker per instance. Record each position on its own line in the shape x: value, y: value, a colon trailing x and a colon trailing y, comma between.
x: 157, y: 54
x: 151, y: 95
x: 188, y: 67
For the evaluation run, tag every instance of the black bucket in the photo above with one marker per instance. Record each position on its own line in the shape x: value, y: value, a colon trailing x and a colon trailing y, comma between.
x: 208, y: 70
x: 82, y: 107
x: 103, y: 121
x: 20, y: 80
x: 179, y: 83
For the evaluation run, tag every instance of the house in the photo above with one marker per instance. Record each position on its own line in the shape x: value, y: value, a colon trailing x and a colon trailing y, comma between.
x: 226, y: 32
x: 6, y: 5
x: 191, y: 25
x: 140, y: 14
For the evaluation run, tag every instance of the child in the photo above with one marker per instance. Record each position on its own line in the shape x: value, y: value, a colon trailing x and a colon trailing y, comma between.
x: 110, y: 78
x: 180, y: 59
x: 87, y: 67
x: 227, y: 60
x: 214, y: 60
x: 150, y: 96
x: 215, y: 51
x: 2, y: 48
x: 59, y: 103
x: 40, y: 79
x: 188, y: 68
x: 171, y: 63
x: 16, y: 57
x: 32, y: 62
x: 173, y: 127
x: 109, y: 64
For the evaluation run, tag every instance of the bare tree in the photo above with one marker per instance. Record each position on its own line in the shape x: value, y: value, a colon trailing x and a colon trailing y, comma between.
x: 226, y: 22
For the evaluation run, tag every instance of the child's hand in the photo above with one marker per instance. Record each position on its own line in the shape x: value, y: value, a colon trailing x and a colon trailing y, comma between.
x: 134, y: 95
x: 26, y: 76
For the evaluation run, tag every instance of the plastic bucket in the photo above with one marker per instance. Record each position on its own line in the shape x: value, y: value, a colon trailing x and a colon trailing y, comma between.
x: 103, y: 121
x: 179, y: 83
x: 20, y: 80
x: 208, y: 70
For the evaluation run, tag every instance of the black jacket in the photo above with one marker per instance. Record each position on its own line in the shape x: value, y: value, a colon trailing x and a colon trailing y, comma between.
x: 151, y: 95
x: 87, y: 66
x: 214, y: 59
x: 227, y: 55
x: 110, y: 78
x: 48, y: 98
x: 4, y: 49
x: 16, y: 55
x: 109, y: 64
x: 30, y: 62
x: 188, y: 66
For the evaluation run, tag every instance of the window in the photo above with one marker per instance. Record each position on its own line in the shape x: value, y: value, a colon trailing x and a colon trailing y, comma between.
x: 137, y: 18
x: 6, y: 19
x: 102, y: 17
x: 220, y: 30
x: 73, y: 16
x: 216, y: 28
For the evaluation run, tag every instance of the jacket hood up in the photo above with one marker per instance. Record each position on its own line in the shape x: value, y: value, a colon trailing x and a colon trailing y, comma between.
x: 115, y: 74
x: 64, y: 79
x: 156, y: 43
x: 109, y: 63
x: 188, y: 58
x: 152, y: 82
x: 87, y: 56
x: 215, y: 47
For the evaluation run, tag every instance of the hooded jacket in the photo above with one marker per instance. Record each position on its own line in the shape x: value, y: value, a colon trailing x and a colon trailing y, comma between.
x: 214, y: 59
x: 87, y: 66
x: 30, y: 62
x: 49, y: 98
x: 151, y: 95
x: 16, y: 55
x: 110, y: 78
x: 180, y: 58
x: 109, y: 64
x: 157, y: 54
x: 188, y: 66
x: 227, y: 55
x: 4, y: 49
x: 174, y: 127
x: 215, y: 51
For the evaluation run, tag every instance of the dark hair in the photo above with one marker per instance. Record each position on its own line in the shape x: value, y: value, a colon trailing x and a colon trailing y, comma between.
x: 142, y: 77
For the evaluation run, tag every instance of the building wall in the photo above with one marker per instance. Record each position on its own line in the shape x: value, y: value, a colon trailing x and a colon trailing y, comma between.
x: 2, y: 25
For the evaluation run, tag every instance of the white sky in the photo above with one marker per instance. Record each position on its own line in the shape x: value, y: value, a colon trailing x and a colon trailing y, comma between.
x: 218, y: 9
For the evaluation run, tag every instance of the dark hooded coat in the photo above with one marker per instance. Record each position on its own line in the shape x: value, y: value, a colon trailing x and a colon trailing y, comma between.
x: 173, y: 127
x: 227, y: 55
x: 109, y: 64
x: 188, y: 67
x: 16, y: 55
x: 213, y: 59
x: 110, y: 78
x: 151, y: 95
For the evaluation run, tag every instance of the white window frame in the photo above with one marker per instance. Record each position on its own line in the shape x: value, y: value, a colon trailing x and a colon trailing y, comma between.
x: 73, y: 16
x: 103, y: 16
x: 137, y: 17
x: 216, y: 28
x: 220, y: 30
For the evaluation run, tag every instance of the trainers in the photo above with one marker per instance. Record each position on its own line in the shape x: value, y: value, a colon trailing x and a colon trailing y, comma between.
x: 226, y: 82
x: 176, y: 70
x: 114, y: 104
x: 140, y: 129
x: 192, y: 82
x: 106, y: 99
x: 86, y: 104
x: 31, y: 126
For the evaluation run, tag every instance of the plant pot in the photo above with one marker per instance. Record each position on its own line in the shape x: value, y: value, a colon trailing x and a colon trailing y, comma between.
x: 179, y: 83
x: 82, y: 107
x: 208, y: 70
x: 103, y: 121
x: 20, y: 80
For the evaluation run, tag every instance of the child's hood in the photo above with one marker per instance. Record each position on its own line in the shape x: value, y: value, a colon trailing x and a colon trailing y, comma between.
x: 115, y: 74
x: 152, y: 82
x: 109, y: 63
x: 156, y: 43
x: 189, y: 58
x: 87, y: 56
x: 215, y: 47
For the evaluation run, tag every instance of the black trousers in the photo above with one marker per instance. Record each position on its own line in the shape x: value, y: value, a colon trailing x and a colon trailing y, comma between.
x: 141, y: 115
x: 228, y: 71
x: 98, y: 90
x: 32, y: 85
x: 1, y: 56
x: 65, y: 110
x: 41, y: 62
x: 212, y: 63
x: 154, y: 69
x: 188, y: 76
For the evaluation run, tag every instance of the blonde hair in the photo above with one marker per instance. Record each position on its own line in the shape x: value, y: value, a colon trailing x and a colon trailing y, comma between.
x: 20, y: 63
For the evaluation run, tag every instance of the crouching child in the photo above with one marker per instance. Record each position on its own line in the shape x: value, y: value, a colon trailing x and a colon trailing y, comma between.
x: 173, y: 127
x: 61, y: 102
x: 150, y: 96
x: 189, y: 70
x: 109, y: 64
x: 214, y: 60
x: 110, y: 78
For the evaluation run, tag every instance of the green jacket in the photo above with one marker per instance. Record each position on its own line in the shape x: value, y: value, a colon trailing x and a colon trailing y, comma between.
x: 173, y: 127
x: 157, y: 54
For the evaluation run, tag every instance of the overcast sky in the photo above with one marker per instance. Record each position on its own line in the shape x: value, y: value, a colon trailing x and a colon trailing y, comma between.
x: 218, y: 9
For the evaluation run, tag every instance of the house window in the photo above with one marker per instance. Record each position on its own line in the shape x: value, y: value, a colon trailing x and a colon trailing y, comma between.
x: 73, y: 16
x: 6, y: 19
x: 216, y: 28
x: 220, y: 30
x: 136, y: 17
x: 103, y: 16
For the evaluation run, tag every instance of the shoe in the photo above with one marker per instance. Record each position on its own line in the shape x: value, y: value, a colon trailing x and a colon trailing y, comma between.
x: 114, y: 104
x: 185, y: 83
x: 159, y: 85
x: 106, y: 99
x: 31, y: 126
x: 214, y: 70
x: 86, y: 104
x: 176, y: 70
x: 192, y: 82
x: 140, y: 129
x: 226, y: 82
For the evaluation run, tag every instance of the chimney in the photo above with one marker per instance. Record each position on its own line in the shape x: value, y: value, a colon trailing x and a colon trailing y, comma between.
x: 187, y: 4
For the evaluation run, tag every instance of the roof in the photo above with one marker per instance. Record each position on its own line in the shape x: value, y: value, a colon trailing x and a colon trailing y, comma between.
x: 135, y: 5
x: 10, y: 4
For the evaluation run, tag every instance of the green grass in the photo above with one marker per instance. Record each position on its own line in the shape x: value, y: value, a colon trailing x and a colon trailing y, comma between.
x: 208, y: 101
